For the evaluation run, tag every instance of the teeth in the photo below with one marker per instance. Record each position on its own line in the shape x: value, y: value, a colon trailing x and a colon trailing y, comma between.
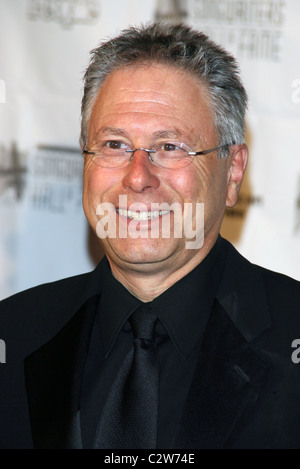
x: 141, y: 215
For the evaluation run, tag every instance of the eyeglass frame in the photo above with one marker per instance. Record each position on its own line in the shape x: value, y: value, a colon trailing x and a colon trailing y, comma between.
x: 189, y: 153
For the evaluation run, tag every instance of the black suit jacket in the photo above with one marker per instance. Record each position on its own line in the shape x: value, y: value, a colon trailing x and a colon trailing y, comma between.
x: 245, y: 392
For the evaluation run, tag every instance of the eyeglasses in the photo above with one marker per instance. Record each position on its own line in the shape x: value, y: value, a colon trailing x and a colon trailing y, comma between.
x: 115, y: 154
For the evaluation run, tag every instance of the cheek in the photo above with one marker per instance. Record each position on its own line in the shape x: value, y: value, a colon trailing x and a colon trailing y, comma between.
x: 97, y: 182
x: 89, y: 187
x: 187, y: 183
x: 205, y: 182
x: 91, y: 183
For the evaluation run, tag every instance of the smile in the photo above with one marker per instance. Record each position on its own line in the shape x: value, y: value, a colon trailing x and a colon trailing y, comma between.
x: 142, y: 216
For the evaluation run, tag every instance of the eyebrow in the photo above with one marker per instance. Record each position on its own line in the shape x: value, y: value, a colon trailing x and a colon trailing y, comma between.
x: 172, y: 133
x: 112, y: 130
x: 175, y: 133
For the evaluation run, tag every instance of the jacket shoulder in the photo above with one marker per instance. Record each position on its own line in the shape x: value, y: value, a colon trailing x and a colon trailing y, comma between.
x: 44, y: 295
x: 256, y: 297
x: 276, y: 284
x: 35, y: 315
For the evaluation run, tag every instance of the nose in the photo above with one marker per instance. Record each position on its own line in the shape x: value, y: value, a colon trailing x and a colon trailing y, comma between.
x: 140, y: 173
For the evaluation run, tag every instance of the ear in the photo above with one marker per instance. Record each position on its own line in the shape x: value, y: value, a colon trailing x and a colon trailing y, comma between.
x: 238, y: 162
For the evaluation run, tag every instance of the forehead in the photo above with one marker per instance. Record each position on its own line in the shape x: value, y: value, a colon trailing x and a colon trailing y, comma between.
x: 145, y: 94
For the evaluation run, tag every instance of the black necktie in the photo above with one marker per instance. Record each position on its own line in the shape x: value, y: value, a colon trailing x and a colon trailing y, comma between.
x: 129, y: 418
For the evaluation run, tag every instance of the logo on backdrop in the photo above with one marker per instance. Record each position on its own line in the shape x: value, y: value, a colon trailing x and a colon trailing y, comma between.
x: 49, y: 177
x: 64, y: 12
x: 12, y: 171
x: 244, y: 202
x: 171, y: 9
x: 249, y: 29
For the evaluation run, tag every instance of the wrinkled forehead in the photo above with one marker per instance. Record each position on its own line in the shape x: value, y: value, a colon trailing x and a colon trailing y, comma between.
x: 149, y: 74
x: 147, y: 92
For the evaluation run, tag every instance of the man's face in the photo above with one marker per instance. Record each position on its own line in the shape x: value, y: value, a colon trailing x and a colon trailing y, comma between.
x: 140, y: 106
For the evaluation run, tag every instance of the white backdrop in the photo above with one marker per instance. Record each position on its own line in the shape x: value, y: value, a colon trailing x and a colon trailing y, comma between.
x: 44, y: 48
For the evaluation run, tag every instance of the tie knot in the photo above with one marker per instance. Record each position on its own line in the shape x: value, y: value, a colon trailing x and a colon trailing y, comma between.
x: 143, y: 322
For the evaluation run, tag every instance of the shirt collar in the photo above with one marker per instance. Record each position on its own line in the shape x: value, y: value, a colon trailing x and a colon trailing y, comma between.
x: 183, y: 309
x: 115, y: 306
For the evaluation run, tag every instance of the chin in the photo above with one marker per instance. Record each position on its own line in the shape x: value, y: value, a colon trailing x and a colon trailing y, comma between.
x: 139, y: 251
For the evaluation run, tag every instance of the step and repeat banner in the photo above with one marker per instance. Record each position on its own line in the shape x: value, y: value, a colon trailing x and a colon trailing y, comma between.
x: 44, y: 50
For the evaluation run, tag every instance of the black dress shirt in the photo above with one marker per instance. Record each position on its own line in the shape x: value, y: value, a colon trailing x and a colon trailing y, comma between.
x: 183, y: 311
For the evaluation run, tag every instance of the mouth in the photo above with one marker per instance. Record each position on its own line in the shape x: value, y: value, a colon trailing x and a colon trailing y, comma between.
x: 143, y: 215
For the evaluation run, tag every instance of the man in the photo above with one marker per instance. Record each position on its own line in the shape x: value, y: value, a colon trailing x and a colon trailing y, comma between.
x: 162, y: 136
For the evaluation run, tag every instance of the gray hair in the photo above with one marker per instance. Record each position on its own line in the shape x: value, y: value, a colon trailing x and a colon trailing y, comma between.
x: 177, y: 45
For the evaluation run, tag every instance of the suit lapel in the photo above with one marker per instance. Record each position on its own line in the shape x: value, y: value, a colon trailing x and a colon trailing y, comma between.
x: 229, y: 373
x: 53, y: 378
x: 226, y: 383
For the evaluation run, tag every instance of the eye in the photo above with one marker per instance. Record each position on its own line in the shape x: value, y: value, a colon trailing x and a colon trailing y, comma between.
x: 115, y: 145
x: 169, y: 147
x: 174, y: 150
